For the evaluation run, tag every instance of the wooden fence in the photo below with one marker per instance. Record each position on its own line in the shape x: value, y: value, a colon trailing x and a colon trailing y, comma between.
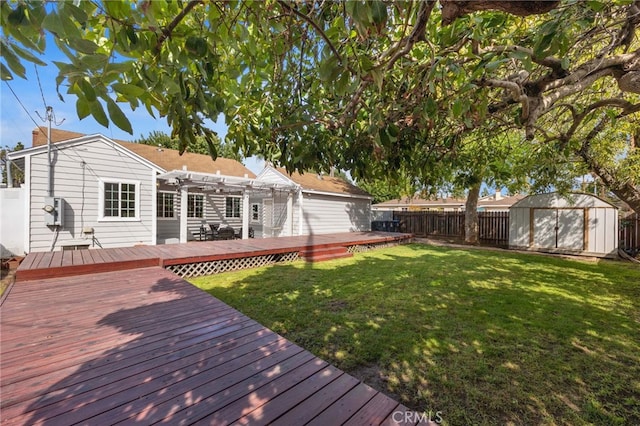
x: 629, y: 233
x: 493, y: 227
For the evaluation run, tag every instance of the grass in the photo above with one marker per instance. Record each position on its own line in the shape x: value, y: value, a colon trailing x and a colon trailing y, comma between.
x: 484, y: 337
x: 5, y: 280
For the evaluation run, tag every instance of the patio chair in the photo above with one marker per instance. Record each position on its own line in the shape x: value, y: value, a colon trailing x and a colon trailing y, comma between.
x: 225, y: 233
x: 214, y: 230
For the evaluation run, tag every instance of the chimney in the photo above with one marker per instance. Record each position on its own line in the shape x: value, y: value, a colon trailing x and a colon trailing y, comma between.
x: 498, y: 195
x: 34, y: 137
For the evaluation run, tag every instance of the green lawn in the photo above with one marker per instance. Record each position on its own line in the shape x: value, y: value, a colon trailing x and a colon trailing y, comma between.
x: 484, y: 337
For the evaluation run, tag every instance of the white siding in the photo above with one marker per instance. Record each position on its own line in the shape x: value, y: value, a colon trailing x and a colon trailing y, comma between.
x: 270, y: 175
x: 324, y: 214
x: 77, y: 171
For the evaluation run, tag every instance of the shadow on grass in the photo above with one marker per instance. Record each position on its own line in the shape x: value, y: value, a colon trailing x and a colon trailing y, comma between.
x: 484, y: 337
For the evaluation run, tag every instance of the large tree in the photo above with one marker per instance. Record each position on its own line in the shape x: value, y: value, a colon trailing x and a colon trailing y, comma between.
x: 372, y: 87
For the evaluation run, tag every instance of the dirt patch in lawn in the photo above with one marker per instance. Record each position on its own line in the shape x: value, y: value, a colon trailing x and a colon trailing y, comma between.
x: 371, y: 375
x: 337, y: 305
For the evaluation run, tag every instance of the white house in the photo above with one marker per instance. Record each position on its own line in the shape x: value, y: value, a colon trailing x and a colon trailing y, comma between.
x: 323, y: 204
x: 90, y: 191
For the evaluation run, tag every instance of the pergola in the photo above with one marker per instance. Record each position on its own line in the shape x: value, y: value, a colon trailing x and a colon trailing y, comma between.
x: 185, y: 179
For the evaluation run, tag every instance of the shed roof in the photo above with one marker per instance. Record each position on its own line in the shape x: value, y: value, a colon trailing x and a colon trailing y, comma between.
x: 559, y: 201
x: 165, y: 158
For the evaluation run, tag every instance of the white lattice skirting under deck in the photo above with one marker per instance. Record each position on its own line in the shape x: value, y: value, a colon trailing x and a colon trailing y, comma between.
x: 218, y: 266
x: 362, y: 248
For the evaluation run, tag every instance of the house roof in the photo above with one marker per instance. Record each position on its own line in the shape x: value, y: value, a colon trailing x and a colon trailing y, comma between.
x: 165, y: 158
x: 323, y: 183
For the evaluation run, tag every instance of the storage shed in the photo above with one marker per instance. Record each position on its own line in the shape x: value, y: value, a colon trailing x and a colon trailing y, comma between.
x: 580, y: 224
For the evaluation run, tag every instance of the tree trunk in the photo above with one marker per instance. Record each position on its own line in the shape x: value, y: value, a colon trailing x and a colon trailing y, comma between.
x: 625, y: 191
x: 471, y: 215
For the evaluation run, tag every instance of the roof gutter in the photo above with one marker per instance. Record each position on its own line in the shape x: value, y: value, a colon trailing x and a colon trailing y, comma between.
x: 337, y: 194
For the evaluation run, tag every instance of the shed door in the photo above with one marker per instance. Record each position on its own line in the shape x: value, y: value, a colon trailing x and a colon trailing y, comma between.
x: 558, y: 228
x: 544, y: 228
x: 571, y: 229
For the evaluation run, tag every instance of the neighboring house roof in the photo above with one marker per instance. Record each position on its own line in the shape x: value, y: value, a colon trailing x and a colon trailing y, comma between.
x: 165, y: 158
x: 406, y: 202
x: 323, y: 183
x: 503, y: 202
x: 419, y: 203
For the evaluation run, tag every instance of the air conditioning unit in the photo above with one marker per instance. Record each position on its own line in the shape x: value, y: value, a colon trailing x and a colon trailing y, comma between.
x: 53, y: 211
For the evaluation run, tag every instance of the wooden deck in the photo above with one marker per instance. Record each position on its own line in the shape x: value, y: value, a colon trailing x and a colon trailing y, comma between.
x: 108, y: 336
x: 143, y: 346
x: 43, y: 265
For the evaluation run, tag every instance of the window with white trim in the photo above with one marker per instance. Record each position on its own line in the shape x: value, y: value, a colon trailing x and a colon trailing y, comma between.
x: 119, y: 200
x: 232, y: 207
x: 255, y: 212
x: 164, y: 205
x: 195, y: 205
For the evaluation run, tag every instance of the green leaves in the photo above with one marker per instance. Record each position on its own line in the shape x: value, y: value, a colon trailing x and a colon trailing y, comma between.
x: 196, y: 46
x: 87, y: 90
x: 12, y: 61
x: 98, y: 113
x: 118, y: 117
x: 83, y: 108
x: 340, y: 86
x: 128, y: 90
x: 18, y: 16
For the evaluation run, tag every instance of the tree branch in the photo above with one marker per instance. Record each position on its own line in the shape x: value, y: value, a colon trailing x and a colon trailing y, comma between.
x: 550, y: 62
x: 424, y: 13
x: 592, y: 66
x: 166, y: 32
x: 627, y: 107
x: 516, y: 92
x: 625, y: 189
x: 311, y: 22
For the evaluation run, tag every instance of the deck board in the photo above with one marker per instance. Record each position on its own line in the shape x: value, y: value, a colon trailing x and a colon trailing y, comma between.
x: 41, y: 265
x: 145, y: 346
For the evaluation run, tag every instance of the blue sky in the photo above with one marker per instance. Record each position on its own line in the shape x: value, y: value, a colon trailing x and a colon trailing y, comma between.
x: 17, y: 122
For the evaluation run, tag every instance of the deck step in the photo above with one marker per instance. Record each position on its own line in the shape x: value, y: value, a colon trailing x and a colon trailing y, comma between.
x: 326, y: 253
